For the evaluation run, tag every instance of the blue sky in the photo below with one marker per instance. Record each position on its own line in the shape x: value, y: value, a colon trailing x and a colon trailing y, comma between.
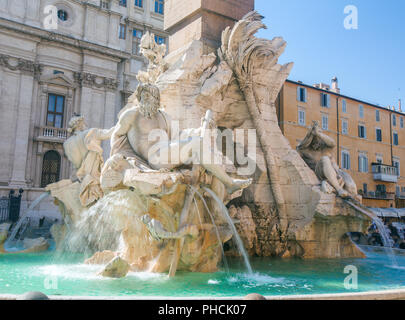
x: 369, y: 62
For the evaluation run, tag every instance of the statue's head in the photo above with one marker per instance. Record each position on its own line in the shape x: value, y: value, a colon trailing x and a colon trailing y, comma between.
x: 77, y: 123
x: 148, y: 96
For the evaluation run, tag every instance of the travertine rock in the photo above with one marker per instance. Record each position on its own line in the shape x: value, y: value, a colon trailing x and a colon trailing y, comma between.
x: 35, y: 245
x: 116, y: 268
x: 101, y: 257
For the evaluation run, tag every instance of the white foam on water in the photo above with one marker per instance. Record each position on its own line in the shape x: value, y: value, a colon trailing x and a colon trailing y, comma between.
x: 213, y: 281
x: 257, y: 279
x: 146, y: 276
x: 75, y: 271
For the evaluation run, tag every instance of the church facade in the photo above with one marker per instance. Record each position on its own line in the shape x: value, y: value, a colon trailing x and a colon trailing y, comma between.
x: 82, y: 60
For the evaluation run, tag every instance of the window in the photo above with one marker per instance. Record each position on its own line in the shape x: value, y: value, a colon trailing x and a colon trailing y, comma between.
x: 137, y: 35
x: 363, y: 163
x: 394, y: 120
x: 56, y: 106
x: 123, y: 31
x: 344, y: 106
x: 345, y: 160
x: 377, y: 115
x: 104, y: 4
x: 160, y: 40
x: 362, y: 131
x: 401, y: 122
x: 325, y: 122
x: 378, y: 135
x: 139, y: 3
x: 301, y: 94
x: 159, y: 6
x: 361, y: 111
x: 301, y: 117
x: 325, y: 100
x: 50, y: 168
x: 396, y: 164
x: 62, y: 15
x: 345, y: 127
x: 365, y: 188
x: 395, y: 139
x: 123, y: 3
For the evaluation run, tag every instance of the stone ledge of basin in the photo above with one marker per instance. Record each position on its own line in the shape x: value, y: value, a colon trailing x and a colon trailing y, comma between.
x: 372, y: 295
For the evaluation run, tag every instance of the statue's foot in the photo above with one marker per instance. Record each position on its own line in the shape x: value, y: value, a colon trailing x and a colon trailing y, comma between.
x: 343, y: 194
x: 239, y: 184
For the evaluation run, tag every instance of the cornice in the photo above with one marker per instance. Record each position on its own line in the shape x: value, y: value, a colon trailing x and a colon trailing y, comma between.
x: 63, y: 39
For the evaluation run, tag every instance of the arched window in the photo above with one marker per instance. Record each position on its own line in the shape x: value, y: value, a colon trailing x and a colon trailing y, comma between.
x: 50, y: 168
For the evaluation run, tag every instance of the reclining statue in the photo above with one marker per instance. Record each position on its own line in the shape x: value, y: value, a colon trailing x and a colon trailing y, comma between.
x: 84, y: 150
x: 132, y: 147
x: 317, y: 151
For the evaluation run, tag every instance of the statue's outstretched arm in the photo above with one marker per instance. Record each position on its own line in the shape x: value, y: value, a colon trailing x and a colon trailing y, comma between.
x: 105, y: 134
x: 330, y: 142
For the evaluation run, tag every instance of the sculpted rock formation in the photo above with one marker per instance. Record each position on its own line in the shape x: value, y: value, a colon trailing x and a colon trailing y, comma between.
x: 148, y: 203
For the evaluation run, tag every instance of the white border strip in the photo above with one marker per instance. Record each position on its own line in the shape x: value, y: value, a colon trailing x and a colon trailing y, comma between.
x: 372, y: 295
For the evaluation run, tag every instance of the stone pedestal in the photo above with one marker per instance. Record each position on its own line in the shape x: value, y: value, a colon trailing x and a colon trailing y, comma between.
x: 202, y: 20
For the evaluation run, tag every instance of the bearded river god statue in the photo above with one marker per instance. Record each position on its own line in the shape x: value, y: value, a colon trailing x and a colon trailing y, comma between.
x: 161, y: 207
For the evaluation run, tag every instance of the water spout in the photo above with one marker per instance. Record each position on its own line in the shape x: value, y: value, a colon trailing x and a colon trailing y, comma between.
x: 215, y: 225
x: 237, y: 238
x: 11, y: 239
x: 387, y: 242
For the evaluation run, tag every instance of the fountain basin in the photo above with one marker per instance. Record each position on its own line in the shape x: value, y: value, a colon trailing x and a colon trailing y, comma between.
x: 68, y: 278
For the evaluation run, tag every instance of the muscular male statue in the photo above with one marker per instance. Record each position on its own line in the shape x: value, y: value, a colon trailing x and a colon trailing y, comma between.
x: 131, y: 141
x: 317, y: 151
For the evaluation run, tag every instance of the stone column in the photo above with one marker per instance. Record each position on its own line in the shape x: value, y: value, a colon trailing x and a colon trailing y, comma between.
x: 18, y: 177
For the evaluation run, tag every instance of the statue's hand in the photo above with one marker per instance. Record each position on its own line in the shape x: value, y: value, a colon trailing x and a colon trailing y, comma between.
x: 211, y: 124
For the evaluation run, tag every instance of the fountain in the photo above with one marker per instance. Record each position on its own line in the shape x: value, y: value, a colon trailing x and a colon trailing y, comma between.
x: 157, y: 207
x: 12, y: 244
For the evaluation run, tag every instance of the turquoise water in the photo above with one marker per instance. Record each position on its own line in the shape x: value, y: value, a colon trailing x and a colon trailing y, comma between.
x: 67, y: 275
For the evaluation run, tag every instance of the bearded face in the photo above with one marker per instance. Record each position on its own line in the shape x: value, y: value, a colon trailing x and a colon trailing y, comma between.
x: 149, y: 105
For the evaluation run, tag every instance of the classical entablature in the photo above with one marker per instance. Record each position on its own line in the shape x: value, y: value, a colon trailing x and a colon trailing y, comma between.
x: 92, y: 80
x: 19, y: 64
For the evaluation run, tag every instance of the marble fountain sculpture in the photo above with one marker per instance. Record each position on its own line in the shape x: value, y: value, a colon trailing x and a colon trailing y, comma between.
x: 156, y: 207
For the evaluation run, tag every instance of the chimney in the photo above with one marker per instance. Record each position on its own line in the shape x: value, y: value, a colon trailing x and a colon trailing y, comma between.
x: 400, y: 105
x: 335, y: 85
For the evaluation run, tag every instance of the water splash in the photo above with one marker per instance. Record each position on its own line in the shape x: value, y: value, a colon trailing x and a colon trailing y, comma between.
x: 237, y: 238
x: 100, y: 226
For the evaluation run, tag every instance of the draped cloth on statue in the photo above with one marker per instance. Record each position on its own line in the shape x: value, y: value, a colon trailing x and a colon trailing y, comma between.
x: 84, y: 150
